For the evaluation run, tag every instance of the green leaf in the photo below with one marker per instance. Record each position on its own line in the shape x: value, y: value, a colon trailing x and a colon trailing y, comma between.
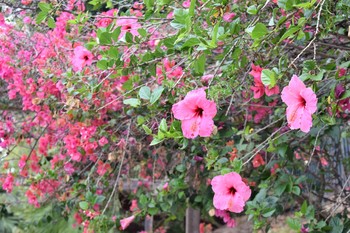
x: 163, y: 126
x: 252, y: 10
x: 129, y: 37
x: 51, y: 22
x: 156, y: 94
x: 199, y: 65
x: 269, y: 213
x: 286, y: 4
x: 105, y: 38
x: 296, y: 190
x: 191, y: 42
x: 214, y: 35
x: 133, y: 102
x: 268, y: 78
x: 145, y: 93
x: 259, y: 31
x: 146, y: 129
x: 289, y: 32
x: 44, y: 7
x: 102, y: 64
x: 142, y: 32
x: 191, y: 9
x: 319, y: 76
x: 41, y: 17
x: 303, y: 208
x: 294, y: 224
x: 84, y: 205
x: 156, y: 141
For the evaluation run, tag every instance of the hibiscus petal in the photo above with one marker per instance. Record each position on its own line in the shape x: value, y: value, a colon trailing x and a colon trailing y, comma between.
x: 294, y: 113
x: 306, y: 121
x: 235, y: 203
x: 183, y: 110
x: 218, y: 185
x: 190, y: 127
x: 206, y: 127
x: 310, y: 99
x: 220, y: 201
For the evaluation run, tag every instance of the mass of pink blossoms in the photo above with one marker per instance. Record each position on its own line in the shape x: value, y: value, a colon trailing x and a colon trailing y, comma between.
x: 301, y: 104
x: 196, y: 113
x: 231, y: 193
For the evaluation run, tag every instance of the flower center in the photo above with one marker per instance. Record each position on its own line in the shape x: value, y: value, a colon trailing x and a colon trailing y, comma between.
x: 127, y: 28
x: 232, y: 191
x: 198, y: 112
x: 302, y: 101
x: 86, y: 57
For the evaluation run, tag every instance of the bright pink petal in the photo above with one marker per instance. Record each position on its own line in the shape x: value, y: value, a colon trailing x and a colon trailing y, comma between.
x: 125, y: 222
x: 272, y: 91
x: 183, y: 110
x: 206, y: 127
x: 235, y: 203
x: 190, y: 127
x: 305, y: 121
x: 294, y: 116
x: 209, y: 107
x: 218, y: 185
x: 258, y: 91
x: 310, y: 99
x: 220, y: 201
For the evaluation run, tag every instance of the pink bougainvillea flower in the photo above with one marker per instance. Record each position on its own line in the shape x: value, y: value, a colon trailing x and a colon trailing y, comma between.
x: 82, y: 57
x: 301, y: 104
x: 125, y: 222
x: 196, y: 113
x: 231, y: 193
x: 129, y: 24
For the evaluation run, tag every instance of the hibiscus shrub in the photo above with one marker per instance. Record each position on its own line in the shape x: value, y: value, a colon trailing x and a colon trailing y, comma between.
x: 119, y: 115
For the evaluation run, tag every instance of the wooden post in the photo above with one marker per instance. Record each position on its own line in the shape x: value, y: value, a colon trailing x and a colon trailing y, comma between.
x: 192, y: 220
x: 149, y: 224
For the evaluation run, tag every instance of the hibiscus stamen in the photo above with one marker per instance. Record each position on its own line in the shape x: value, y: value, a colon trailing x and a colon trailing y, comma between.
x: 232, y: 191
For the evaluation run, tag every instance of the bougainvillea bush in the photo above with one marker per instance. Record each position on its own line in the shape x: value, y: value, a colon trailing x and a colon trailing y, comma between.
x: 120, y: 115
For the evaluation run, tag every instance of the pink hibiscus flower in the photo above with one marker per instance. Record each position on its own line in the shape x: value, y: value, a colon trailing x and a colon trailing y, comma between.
x: 231, y: 193
x: 196, y: 113
x: 301, y: 104
x: 125, y: 222
x: 129, y: 24
x: 81, y: 58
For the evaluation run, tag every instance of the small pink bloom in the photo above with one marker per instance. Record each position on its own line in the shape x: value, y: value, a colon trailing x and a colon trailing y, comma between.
x: 196, y: 113
x: 258, y: 161
x: 125, y: 222
x: 103, y: 141
x: 324, y: 162
x: 26, y: 2
x: 82, y: 57
x: 231, y: 192
x: 129, y: 24
x: 186, y: 3
x: 228, y: 17
x: 301, y: 104
x: 341, y: 72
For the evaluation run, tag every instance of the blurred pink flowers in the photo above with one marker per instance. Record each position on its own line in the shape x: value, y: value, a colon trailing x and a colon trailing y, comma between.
x: 301, y: 104
x: 231, y: 192
x: 196, y: 113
